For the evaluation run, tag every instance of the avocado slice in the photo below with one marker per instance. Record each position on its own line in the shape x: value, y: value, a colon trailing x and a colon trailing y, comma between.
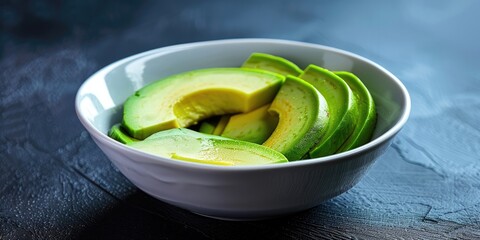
x: 272, y: 63
x: 214, y: 125
x: 255, y: 126
x: 302, y: 117
x: 117, y: 133
x: 222, y: 123
x: 184, y: 99
x: 341, y: 107
x: 188, y: 145
x: 367, y: 115
x: 208, y: 125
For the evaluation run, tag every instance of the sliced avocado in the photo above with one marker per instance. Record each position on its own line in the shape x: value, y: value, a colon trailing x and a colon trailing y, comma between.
x: 221, y: 125
x: 214, y: 125
x: 367, y: 115
x: 302, y: 117
x: 188, y: 145
x: 184, y: 99
x: 117, y: 133
x: 272, y: 63
x: 208, y: 125
x: 255, y: 126
x: 341, y: 107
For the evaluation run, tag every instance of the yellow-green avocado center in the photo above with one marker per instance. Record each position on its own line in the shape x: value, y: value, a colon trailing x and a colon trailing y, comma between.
x: 186, y: 98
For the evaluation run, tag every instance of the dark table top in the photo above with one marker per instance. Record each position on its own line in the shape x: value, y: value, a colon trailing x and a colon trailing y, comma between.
x: 56, y: 184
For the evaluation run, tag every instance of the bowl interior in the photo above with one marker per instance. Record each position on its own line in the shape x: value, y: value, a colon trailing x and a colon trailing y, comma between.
x: 100, y: 99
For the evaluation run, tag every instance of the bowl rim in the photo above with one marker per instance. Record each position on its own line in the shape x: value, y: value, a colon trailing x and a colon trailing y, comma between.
x: 334, y: 158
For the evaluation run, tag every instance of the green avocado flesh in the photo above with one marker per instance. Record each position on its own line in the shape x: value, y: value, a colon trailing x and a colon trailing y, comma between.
x: 207, y: 127
x: 266, y: 111
x: 302, y: 116
x: 184, y: 99
x: 272, y: 63
x: 222, y: 123
x: 255, y: 126
x: 341, y: 104
x: 188, y: 145
x: 367, y: 115
x: 117, y: 133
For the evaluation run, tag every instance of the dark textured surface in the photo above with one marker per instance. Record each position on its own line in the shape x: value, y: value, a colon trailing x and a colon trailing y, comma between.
x: 56, y: 184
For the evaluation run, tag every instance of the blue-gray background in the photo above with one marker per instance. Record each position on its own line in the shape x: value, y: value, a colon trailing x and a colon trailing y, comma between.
x: 55, y: 183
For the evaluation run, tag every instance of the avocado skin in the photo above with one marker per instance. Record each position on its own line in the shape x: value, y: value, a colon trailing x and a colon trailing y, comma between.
x: 272, y: 63
x: 366, y: 112
x: 342, y: 109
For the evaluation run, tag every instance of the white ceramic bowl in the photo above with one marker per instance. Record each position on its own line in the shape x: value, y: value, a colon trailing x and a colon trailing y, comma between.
x: 249, y: 192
